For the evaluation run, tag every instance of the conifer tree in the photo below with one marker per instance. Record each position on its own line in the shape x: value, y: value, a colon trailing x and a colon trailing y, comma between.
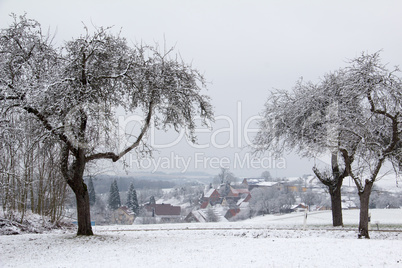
x: 136, y: 206
x: 91, y: 192
x: 114, y: 196
x: 132, y: 200
x: 129, y: 202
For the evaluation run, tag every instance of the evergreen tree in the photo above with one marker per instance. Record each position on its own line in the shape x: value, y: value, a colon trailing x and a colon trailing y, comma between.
x: 129, y: 202
x: 136, y: 206
x: 132, y: 200
x: 91, y: 192
x: 114, y: 196
x: 152, y: 200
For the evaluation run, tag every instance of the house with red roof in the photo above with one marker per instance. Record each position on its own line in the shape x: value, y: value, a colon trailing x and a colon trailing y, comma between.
x: 232, y: 212
x: 212, y: 196
x: 166, y: 212
x: 237, y: 194
x: 197, y: 216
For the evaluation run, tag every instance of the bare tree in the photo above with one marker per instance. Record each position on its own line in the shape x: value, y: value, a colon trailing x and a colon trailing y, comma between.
x: 30, y: 177
x: 307, y: 120
x: 266, y: 175
x: 266, y: 200
x: 74, y: 91
x: 379, y: 129
x: 310, y: 198
x: 353, y: 114
x: 225, y: 176
x: 263, y: 200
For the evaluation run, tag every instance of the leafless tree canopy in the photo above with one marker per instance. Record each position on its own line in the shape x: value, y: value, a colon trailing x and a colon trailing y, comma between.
x: 353, y: 114
x: 73, y: 91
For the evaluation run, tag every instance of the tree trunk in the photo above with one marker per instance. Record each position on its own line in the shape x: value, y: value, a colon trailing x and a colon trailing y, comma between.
x: 334, y: 183
x: 336, y: 206
x: 83, y: 211
x: 76, y: 182
x: 364, y: 210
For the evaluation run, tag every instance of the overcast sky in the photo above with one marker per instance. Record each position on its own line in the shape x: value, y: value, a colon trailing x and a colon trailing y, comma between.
x: 244, y: 48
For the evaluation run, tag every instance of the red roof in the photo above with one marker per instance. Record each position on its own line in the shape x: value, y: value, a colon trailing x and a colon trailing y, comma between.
x: 237, y: 192
x: 211, y: 192
x: 232, y: 212
x: 204, y: 204
x: 164, y: 209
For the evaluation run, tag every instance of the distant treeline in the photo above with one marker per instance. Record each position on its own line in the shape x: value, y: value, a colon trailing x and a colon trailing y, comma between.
x: 102, y: 183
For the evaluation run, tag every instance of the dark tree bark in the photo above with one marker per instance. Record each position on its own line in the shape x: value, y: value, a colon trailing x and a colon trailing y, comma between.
x: 364, y: 194
x: 336, y: 204
x: 334, y: 189
x: 74, y: 175
x: 83, y: 209
x: 334, y: 183
x: 102, y: 71
x: 364, y: 210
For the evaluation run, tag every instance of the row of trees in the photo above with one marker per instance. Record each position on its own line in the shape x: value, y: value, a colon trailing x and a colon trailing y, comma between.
x: 353, y: 114
x: 70, y: 95
x: 270, y: 200
x: 114, y: 201
x: 30, y: 178
x: 105, y: 204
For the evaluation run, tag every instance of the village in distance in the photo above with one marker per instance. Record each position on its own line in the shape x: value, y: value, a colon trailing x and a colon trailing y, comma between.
x: 173, y: 198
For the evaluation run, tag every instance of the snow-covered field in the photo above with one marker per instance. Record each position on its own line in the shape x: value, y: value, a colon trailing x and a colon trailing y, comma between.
x: 269, y: 241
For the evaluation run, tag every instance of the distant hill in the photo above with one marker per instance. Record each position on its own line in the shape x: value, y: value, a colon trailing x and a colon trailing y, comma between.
x: 148, y: 181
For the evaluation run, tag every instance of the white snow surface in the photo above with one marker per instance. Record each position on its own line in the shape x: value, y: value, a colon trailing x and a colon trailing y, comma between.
x: 268, y: 241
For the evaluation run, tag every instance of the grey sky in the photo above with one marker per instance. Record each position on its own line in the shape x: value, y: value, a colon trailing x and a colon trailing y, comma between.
x: 244, y: 48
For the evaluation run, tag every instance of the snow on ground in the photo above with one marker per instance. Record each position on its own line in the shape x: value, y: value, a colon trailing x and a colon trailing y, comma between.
x: 31, y: 223
x: 269, y: 241
x: 350, y: 217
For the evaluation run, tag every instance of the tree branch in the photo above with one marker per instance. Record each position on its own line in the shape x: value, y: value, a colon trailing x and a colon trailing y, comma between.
x: 49, y: 127
x: 115, y: 157
x: 124, y: 73
x: 377, y: 111
x: 321, y: 177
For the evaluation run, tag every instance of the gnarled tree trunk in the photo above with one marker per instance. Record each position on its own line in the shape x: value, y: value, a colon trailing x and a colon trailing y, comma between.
x: 336, y: 205
x: 74, y: 176
x: 364, y: 210
x: 334, y: 183
x: 83, y: 210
